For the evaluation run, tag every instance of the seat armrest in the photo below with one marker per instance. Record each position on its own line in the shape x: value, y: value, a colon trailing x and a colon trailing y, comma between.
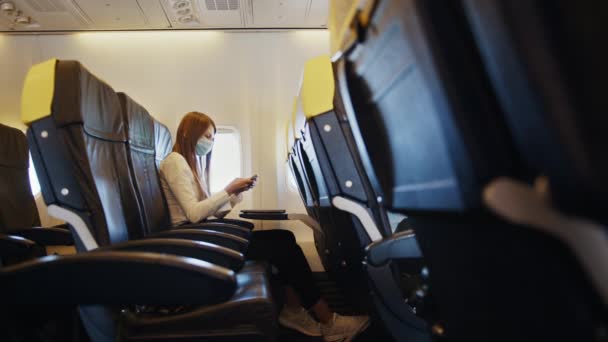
x: 209, y: 252
x: 402, y: 245
x: 116, y: 278
x: 51, y: 236
x: 242, y: 223
x: 272, y: 215
x: 11, y: 245
x: 222, y: 239
x: 220, y: 227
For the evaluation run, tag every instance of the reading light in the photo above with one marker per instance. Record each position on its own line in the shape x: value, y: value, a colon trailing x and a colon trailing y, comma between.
x: 7, y: 7
x: 181, y: 4
x: 183, y: 11
x: 186, y: 19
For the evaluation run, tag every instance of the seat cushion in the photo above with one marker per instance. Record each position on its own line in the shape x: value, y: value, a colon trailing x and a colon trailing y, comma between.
x: 250, y: 312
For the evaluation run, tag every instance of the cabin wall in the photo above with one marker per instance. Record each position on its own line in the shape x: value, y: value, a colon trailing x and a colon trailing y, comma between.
x: 243, y: 79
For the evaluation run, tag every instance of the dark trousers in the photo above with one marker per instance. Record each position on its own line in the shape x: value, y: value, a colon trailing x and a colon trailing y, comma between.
x: 279, y: 248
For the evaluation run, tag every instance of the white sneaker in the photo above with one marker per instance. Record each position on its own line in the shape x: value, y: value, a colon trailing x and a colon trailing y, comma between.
x: 299, y: 320
x: 344, y: 328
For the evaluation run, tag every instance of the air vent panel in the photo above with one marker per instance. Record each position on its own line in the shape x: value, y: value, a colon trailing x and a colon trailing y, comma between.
x: 222, y: 5
x: 46, y: 6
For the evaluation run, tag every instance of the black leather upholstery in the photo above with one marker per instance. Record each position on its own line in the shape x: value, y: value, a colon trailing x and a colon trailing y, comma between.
x: 86, y: 140
x: 549, y: 72
x: 142, y: 129
x: 333, y: 168
x: 461, y: 151
x: 432, y: 135
x: 248, y: 316
x: 18, y: 211
x: 344, y: 240
x: 17, y: 205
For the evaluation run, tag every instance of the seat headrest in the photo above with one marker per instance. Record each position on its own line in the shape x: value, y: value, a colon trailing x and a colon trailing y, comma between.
x: 318, y: 87
x: 81, y: 98
x: 164, y: 143
x: 140, y: 123
x: 13, y: 148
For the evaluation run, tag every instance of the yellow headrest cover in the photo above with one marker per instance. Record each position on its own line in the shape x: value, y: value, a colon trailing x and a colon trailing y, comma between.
x: 317, y: 87
x: 37, y: 94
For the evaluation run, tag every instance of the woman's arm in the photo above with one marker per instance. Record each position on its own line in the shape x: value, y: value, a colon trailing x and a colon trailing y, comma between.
x: 179, y: 177
x: 235, y: 199
x: 224, y: 210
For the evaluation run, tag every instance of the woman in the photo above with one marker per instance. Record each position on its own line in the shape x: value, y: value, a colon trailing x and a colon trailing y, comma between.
x: 185, y: 184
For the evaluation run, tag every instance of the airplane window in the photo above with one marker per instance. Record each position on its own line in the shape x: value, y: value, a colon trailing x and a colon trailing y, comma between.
x: 226, y: 158
x: 35, y: 185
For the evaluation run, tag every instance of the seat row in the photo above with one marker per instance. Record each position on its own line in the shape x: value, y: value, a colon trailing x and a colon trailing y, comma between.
x: 477, y: 122
x: 133, y: 277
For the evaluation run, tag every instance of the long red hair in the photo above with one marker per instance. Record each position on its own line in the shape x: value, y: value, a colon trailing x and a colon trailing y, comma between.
x: 190, y: 130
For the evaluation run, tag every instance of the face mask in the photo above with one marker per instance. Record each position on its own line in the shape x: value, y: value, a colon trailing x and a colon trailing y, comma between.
x: 203, y: 147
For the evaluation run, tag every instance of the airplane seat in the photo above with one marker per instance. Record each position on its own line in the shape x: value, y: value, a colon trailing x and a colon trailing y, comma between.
x: 322, y: 241
x: 547, y: 72
x: 433, y: 140
x: 164, y: 146
x: 79, y: 141
x: 343, y: 243
x: 356, y: 207
x: 22, y: 236
x: 154, y: 211
x: 18, y: 207
x: 354, y: 217
x: 338, y: 246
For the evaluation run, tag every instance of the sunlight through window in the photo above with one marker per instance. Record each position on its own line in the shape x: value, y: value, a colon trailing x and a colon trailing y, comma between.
x: 226, y: 158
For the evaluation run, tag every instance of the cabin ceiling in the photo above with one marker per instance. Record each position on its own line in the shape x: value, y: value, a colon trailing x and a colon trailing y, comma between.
x: 96, y: 15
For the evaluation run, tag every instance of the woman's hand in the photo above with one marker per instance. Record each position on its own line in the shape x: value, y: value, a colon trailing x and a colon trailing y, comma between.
x: 239, y: 185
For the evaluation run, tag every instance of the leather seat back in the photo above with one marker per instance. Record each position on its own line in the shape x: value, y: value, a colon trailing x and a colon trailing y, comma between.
x: 17, y: 205
x: 345, y: 236
x: 79, y: 146
x: 430, y: 143
x: 331, y: 171
x: 549, y: 74
x: 332, y: 161
x: 432, y: 136
x: 142, y: 139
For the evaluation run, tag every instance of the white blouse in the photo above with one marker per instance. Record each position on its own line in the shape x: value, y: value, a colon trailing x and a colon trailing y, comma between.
x: 186, y: 199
